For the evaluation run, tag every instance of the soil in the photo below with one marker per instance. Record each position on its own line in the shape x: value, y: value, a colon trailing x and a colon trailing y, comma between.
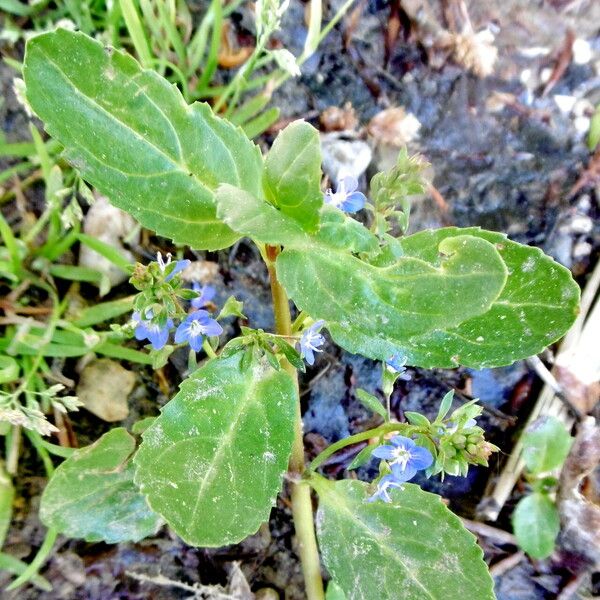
x: 509, y: 169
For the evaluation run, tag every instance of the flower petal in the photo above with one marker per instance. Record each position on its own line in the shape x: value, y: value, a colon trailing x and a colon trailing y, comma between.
x: 212, y: 328
x: 402, y: 442
x: 384, y: 452
x: 420, y: 458
x: 401, y: 475
x: 196, y: 342
x: 308, y: 355
x: 180, y: 265
x: 159, y: 338
x: 349, y: 182
x: 354, y: 202
x: 182, y: 333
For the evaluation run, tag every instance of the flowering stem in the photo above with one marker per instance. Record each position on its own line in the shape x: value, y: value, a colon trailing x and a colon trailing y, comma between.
x: 208, y: 349
x: 301, y: 492
x: 359, y: 437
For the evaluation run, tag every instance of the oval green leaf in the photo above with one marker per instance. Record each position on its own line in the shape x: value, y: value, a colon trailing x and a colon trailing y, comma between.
x: 212, y: 463
x: 92, y: 495
x: 373, y: 310
x: 130, y: 133
x: 292, y: 175
x: 537, y: 306
x: 536, y: 524
x: 413, y: 548
x: 546, y: 443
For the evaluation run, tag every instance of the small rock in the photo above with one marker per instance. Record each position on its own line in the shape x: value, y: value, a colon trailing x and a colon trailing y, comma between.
x: 342, y: 154
x: 103, y: 388
x: 110, y: 225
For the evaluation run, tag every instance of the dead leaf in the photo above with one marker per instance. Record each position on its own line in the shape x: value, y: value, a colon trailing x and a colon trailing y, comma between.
x: 103, y: 388
x: 578, y: 495
x: 335, y: 118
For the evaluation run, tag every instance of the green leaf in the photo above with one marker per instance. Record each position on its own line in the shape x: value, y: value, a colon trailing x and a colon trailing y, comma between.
x: 255, y: 218
x: 232, y: 308
x: 92, y: 496
x: 536, y: 524
x: 536, y: 307
x: 334, y: 592
x: 445, y: 405
x: 130, y: 133
x: 262, y: 221
x: 212, y: 462
x: 372, y: 403
x: 362, y: 458
x: 292, y: 175
x: 468, y: 312
x: 594, y: 132
x: 415, y: 418
x: 413, y: 548
x: 7, y: 494
x: 546, y: 443
x: 375, y: 310
x: 340, y: 231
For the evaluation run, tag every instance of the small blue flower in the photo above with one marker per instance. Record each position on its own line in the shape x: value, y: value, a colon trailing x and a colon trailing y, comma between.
x: 147, y: 329
x: 180, y: 265
x: 194, y: 327
x: 396, y: 364
x: 346, y: 198
x: 207, y: 293
x: 387, y: 481
x: 311, y: 341
x: 405, y: 457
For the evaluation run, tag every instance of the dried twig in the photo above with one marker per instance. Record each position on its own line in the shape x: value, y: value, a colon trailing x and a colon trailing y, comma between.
x: 506, y: 564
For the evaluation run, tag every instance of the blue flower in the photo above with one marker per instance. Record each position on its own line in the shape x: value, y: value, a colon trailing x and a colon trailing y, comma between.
x: 194, y: 327
x: 405, y: 457
x: 207, y: 293
x: 346, y: 198
x: 396, y: 364
x: 387, y: 481
x: 180, y: 265
x: 147, y: 329
x: 311, y: 341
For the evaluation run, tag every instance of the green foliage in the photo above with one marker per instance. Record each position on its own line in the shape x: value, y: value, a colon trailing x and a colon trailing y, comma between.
x: 536, y: 524
x: 151, y: 153
x: 292, y: 174
x: 372, y: 403
x: 377, y: 310
x: 92, y: 495
x: 212, y: 463
x: 537, y: 305
x: 546, y: 444
x: 392, y: 189
x: 415, y: 545
x: 594, y: 132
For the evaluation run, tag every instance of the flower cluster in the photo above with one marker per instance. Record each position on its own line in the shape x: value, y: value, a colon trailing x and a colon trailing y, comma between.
x: 160, y: 290
x: 404, y: 458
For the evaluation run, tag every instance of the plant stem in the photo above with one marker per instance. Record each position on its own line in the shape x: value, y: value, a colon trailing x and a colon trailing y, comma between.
x: 301, y: 493
x: 359, y: 437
